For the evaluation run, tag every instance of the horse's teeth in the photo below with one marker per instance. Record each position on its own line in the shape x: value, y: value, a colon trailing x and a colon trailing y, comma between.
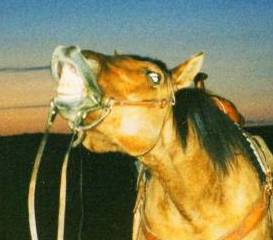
x: 71, y: 85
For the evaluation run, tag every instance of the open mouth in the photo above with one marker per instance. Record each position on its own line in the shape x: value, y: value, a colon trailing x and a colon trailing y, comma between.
x: 71, y: 87
x: 75, y: 76
x: 78, y: 92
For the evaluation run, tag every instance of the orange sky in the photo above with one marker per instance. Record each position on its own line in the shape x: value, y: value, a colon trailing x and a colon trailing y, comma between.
x: 37, y: 88
x: 22, y: 90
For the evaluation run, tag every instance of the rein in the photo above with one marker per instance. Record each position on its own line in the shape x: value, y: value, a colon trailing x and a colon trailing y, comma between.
x: 32, y: 185
x: 78, y: 129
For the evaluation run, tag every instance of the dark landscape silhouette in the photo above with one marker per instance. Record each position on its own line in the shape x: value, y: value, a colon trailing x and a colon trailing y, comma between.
x: 108, y: 189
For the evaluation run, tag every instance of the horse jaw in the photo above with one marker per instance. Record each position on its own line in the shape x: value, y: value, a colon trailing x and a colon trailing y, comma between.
x: 95, y: 141
x: 131, y: 130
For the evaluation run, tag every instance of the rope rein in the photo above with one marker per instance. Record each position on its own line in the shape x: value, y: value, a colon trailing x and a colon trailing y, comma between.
x: 33, y: 180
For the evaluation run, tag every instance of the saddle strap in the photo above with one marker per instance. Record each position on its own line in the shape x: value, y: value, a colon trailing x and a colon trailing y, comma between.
x: 261, y: 207
x: 252, y: 220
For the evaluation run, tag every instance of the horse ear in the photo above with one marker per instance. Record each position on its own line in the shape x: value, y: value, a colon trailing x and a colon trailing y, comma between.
x: 183, y: 74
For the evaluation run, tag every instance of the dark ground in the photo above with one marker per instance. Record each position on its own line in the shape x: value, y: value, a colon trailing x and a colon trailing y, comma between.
x: 108, y: 189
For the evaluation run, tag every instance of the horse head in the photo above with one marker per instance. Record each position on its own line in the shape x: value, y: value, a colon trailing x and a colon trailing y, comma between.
x: 126, y: 98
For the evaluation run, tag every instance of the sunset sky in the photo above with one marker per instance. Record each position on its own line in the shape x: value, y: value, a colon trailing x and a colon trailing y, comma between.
x: 236, y: 36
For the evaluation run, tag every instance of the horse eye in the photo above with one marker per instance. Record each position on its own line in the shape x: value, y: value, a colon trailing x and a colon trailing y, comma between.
x: 154, y: 77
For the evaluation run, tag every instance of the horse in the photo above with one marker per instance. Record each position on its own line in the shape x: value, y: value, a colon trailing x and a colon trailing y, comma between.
x: 200, y: 177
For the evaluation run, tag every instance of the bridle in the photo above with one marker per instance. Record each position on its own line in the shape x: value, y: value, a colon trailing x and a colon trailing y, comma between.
x: 78, y: 128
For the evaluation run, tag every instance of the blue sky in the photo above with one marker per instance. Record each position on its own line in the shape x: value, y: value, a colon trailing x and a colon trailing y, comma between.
x: 236, y: 36
x: 168, y: 29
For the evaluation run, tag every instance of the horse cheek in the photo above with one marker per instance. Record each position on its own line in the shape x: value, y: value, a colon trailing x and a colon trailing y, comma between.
x: 138, y: 134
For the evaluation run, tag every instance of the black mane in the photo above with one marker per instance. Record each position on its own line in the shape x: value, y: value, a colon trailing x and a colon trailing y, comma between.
x: 157, y: 62
x: 217, y: 134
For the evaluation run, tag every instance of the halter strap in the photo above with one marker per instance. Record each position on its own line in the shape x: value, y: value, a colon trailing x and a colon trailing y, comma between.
x: 161, y: 102
x: 153, y: 102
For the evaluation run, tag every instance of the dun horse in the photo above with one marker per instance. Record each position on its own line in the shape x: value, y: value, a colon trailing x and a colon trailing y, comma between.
x: 200, y: 176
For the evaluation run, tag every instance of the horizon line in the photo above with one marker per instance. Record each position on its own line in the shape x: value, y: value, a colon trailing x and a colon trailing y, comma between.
x: 24, y: 69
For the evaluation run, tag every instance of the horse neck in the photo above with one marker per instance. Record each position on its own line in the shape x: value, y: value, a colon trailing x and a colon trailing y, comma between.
x: 188, y: 176
x: 176, y: 168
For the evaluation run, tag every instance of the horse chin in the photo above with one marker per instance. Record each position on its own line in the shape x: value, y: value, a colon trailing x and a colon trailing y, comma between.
x: 134, y: 146
x: 98, y: 143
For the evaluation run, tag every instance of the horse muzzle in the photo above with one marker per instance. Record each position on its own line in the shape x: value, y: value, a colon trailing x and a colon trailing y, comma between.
x: 78, y: 91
